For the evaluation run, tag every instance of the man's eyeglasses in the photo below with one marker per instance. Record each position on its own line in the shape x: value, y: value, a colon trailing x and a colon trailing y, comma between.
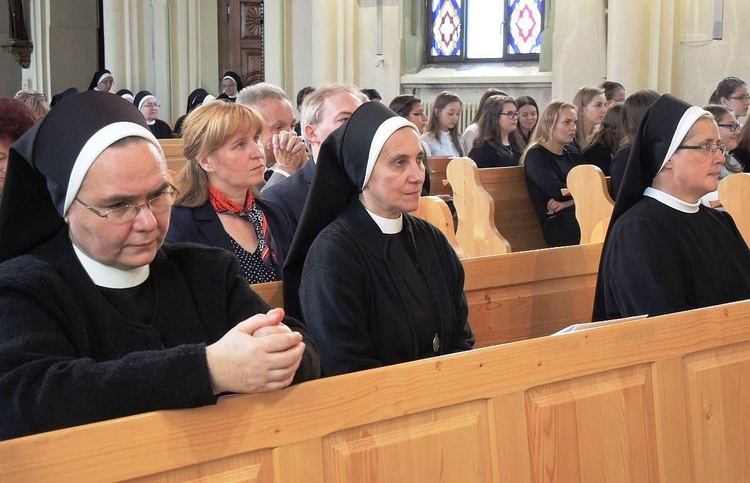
x: 151, y: 106
x: 744, y: 98
x: 418, y: 114
x: 510, y: 114
x: 732, y: 127
x: 127, y: 213
x: 709, y: 147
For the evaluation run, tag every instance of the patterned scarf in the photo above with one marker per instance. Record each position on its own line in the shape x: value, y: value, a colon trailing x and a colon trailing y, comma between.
x: 252, y: 213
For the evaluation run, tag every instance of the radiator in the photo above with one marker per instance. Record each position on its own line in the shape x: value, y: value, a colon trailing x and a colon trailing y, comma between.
x: 468, y: 110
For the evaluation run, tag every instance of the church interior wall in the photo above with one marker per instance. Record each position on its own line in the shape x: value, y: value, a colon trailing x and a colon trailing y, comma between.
x: 11, y: 71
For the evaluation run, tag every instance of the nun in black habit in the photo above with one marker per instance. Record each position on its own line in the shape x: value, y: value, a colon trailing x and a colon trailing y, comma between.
x: 97, y: 320
x: 376, y: 285
x: 101, y: 81
x: 231, y: 84
x: 664, y: 251
x: 195, y: 99
x: 149, y: 107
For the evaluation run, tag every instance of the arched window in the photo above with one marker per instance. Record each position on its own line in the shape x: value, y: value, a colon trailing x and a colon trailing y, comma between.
x: 484, y: 30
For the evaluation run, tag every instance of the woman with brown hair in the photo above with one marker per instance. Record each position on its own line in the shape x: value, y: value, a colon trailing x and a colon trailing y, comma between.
x: 497, y: 143
x: 471, y: 131
x: 441, y: 135
x: 216, y: 205
x: 591, y: 105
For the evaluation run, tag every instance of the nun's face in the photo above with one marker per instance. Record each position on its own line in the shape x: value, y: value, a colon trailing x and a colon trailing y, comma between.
x: 229, y: 87
x: 130, y: 174
x: 395, y: 184
x: 238, y: 164
x: 105, y: 85
x: 4, y: 148
x: 150, y: 109
x: 692, y: 173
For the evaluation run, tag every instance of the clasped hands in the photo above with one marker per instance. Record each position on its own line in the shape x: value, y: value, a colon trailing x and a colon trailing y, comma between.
x: 259, y: 354
x: 289, y: 151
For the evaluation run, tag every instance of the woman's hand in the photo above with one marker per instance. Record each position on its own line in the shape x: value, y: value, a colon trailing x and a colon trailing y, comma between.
x: 259, y: 354
x: 554, y: 206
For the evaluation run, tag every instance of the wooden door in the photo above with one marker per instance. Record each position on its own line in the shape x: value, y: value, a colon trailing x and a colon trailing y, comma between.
x: 241, y: 39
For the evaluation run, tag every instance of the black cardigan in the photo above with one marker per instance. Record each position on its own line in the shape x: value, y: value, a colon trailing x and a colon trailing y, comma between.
x: 68, y: 358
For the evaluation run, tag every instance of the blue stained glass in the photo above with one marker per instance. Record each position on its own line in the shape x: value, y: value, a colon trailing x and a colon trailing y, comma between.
x: 445, y: 20
x: 525, y: 26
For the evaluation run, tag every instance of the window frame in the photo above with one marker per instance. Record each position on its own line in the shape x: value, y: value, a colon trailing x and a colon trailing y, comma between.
x: 462, y: 58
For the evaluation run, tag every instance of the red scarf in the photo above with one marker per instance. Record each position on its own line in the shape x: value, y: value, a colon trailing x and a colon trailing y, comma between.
x: 251, y: 212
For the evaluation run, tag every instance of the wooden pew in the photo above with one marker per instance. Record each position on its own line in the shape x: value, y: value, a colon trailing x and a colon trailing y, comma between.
x: 515, y: 218
x: 660, y: 399
x: 588, y: 186
x: 173, y: 153
x: 734, y: 194
x: 519, y: 295
x: 434, y: 210
x: 438, y: 166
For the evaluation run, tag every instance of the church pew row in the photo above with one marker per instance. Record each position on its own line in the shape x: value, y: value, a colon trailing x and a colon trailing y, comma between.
x: 660, y: 399
x: 514, y: 215
x: 518, y: 296
x: 593, y: 203
x: 173, y: 153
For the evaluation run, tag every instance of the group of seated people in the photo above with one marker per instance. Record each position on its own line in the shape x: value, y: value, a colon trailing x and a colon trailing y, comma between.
x: 107, y: 312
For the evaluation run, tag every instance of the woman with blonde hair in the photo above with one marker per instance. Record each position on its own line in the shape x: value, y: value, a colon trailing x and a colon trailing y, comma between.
x: 441, y: 135
x: 547, y: 161
x: 216, y: 205
x: 591, y: 104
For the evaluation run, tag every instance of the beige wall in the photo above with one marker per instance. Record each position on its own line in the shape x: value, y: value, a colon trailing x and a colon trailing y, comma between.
x: 10, y: 71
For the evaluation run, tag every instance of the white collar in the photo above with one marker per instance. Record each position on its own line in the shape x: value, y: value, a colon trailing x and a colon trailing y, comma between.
x: 151, y: 123
x: 671, y: 201
x: 111, y: 277
x: 389, y: 226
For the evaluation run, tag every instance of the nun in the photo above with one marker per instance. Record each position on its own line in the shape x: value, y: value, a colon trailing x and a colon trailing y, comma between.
x: 231, y: 84
x: 97, y: 319
x: 126, y: 94
x: 101, y: 81
x: 196, y: 98
x: 376, y: 285
x: 666, y: 252
x: 149, y: 107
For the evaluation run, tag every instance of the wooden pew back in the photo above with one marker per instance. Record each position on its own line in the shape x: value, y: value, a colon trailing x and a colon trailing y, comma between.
x: 658, y: 399
x: 588, y: 186
x: 515, y: 218
x: 434, y: 210
x: 518, y: 296
x: 173, y: 153
x: 438, y: 166
x: 476, y: 233
x: 734, y: 194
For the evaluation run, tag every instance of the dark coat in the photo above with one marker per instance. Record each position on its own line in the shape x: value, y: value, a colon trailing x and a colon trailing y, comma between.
x: 291, y: 193
x: 202, y: 225
x: 352, y: 305
x: 68, y: 358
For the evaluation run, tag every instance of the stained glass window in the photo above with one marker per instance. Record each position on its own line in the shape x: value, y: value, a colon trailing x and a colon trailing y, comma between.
x: 466, y: 30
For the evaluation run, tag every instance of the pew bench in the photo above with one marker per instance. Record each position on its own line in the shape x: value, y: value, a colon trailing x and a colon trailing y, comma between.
x: 659, y: 399
x: 593, y: 203
x: 514, y: 217
x: 518, y: 296
x: 173, y: 153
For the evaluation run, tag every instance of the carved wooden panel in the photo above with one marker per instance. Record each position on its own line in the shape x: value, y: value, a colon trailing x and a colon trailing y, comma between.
x: 446, y: 445
x: 241, y: 29
x: 718, y: 402
x: 594, y: 428
x: 252, y: 467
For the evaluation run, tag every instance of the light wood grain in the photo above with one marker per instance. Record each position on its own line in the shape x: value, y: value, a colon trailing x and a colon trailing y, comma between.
x: 593, y: 203
x: 173, y: 153
x: 437, y: 173
x: 433, y: 210
x: 593, y: 406
x: 734, y: 194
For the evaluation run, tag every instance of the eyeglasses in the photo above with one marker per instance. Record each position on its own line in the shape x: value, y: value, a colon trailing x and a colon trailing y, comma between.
x: 732, y: 127
x: 418, y: 114
x: 150, y: 106
x: 510, y: 114
x: 709, y: 147
x: 127, y: 213
x: 744, y: 98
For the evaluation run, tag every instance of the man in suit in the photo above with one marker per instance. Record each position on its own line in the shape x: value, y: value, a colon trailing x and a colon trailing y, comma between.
x: 323, y: 111
x: 284, y: 149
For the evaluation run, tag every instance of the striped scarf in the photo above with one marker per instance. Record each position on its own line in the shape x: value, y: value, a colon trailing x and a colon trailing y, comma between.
x: 252, y: 213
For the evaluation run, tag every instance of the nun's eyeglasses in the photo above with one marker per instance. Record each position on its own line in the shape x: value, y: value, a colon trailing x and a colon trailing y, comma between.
x: 709, y: 147
x: 127, y: 213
